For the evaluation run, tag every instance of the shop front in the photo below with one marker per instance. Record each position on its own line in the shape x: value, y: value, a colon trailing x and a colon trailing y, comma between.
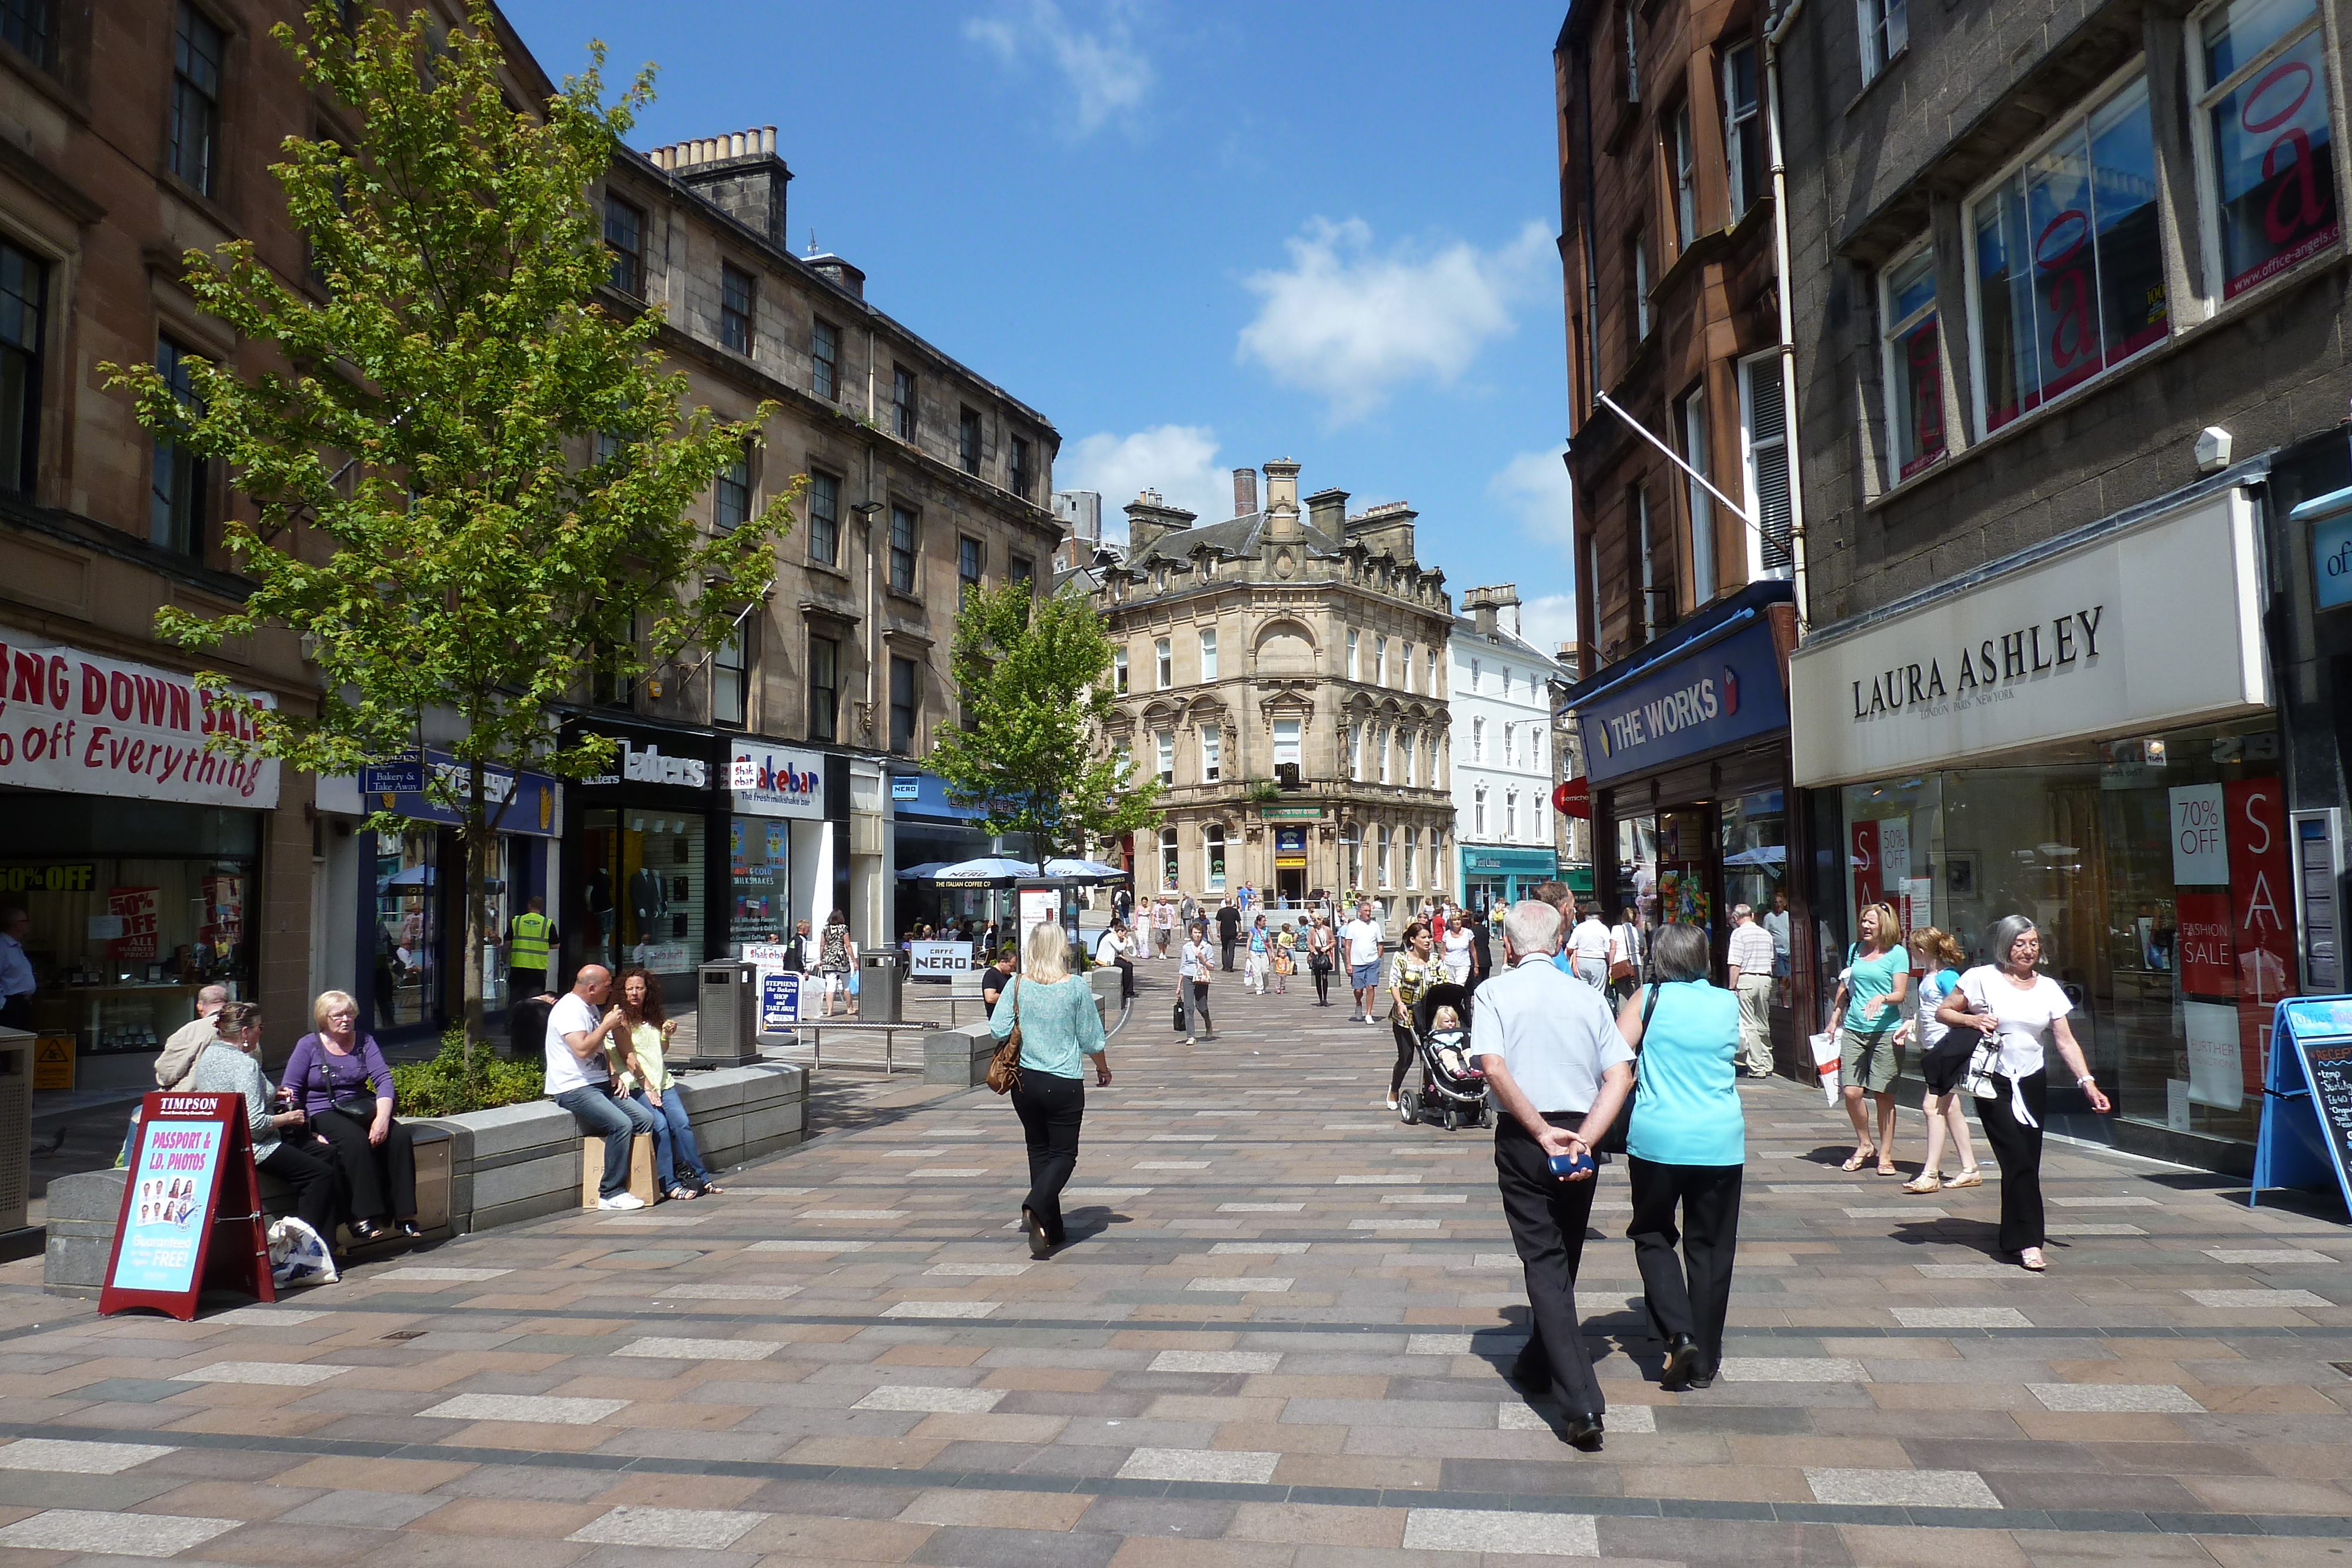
x: 1495, y: 876
x: 134, y: 849
x: 646, y: 873
x: 2081, y: 733
x: 787, y: 855
x: 1687, y: 758
x: 926, y: 828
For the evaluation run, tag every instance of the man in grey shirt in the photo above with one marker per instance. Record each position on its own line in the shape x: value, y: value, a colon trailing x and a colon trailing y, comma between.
x: 1560, y: 1072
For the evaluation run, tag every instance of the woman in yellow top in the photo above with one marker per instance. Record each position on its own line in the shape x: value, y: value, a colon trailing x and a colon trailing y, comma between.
x: 1285, y: 939
x: 1413, y: 971
x: 645, y: 1079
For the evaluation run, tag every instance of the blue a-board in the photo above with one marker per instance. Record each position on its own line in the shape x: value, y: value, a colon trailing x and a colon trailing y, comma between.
x: 2307, y: 1133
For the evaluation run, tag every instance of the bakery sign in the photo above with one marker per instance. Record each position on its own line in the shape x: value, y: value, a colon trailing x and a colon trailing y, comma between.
x: 89, y: 725
x: 2119, y: 628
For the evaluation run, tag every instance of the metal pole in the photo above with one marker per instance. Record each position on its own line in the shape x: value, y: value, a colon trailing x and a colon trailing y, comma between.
x: 1674, y: 457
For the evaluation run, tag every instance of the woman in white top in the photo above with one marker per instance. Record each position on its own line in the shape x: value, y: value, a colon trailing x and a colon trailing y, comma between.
x: 1943, y: 1062
x: 2026, y: 1010
x: 1591, y: 948
x: 1457, y: 951
x: 1195, y: 964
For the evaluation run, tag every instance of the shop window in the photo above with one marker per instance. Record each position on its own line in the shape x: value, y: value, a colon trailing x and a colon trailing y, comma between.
x: 825, y: 518
x: 1764, y: 434
x: 1743, y: 129
x: 23, y: 296
x: 1213, y: 846
x: 2067, y: 278
x: 904, y: 708
x: 180, y: 479
x: 759, y: 872
x: 1168, y: 871
x: 824, y: 688
x: 645, y: 893
x: 2267, y: 183
x: 1913, y: 363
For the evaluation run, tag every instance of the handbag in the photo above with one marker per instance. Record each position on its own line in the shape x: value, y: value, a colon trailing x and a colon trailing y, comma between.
x: 1983, y: 1062
x: 1005, y: 1067
x: 1613, y: 1142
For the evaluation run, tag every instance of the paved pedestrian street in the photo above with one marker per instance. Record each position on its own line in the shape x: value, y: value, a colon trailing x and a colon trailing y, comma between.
x: 1277, y: 1338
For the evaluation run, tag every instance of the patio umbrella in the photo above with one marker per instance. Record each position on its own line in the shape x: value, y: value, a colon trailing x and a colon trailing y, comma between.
x: 987, y: 871
x: 1083, y: 870
x: 922, y: 873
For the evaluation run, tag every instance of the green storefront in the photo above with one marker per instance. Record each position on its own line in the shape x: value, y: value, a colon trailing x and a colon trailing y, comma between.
x: 1494, y: 875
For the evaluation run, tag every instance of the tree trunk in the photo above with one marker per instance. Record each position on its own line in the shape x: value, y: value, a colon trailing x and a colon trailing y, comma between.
x: 479, y: 840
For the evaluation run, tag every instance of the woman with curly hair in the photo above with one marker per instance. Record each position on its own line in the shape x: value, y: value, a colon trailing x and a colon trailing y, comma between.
x: 677, y: 1163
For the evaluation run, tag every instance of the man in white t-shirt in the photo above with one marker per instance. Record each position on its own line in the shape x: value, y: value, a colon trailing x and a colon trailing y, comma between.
x: 1590, y: 948
x: 580, y: 1080
x: 1116, y: 947
x: 1362, y: 937
x: 1750, y: 960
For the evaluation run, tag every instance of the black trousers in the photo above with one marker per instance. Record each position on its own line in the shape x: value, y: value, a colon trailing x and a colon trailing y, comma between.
x: 1126, y: 980
x: 2018, y: 1147
x: 1691, y: 1293
x: 318, y: 1184
x: 382, y: 1182
x: 16, y: 1012
x: 1050, y: 1109
x: 1229, y: 943
x: 1322, y: 972
x: 1404, y: 1044
x: 524, y: 984
x: 1548, y: 1218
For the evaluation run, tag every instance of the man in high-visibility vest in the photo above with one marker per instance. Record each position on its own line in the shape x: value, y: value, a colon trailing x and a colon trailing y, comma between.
x: 530, y: 936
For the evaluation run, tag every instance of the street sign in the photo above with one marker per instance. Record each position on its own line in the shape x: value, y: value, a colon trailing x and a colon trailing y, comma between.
x: 400, y: 775
x: 1573, y: 798
x: 779, y: 1000
x: 1291, y: 813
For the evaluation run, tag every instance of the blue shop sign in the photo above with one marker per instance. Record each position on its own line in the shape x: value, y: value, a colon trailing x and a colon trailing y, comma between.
x: 1711, y: 698
x: 928, y: 798
x: 529, y: 799
x: 2330, y: 517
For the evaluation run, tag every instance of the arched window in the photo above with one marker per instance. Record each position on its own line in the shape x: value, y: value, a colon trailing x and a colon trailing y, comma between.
x: 1168, y: 876
x: 1478, y: 812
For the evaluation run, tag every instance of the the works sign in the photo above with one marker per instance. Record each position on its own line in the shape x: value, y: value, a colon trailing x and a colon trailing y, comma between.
x: 1712, y: 696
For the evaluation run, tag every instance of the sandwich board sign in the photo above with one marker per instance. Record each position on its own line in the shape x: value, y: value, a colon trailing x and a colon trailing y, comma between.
x: 191, y: 1218
x: 2306, y: 1131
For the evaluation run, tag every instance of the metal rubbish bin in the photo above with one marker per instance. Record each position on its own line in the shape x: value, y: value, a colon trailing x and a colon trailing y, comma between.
x: 878, y: 978
x: 727, y: 1012
x: 16, y: 1128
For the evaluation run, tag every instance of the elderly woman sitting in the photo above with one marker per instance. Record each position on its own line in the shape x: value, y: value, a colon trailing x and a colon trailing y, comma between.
x: 282, y: 1144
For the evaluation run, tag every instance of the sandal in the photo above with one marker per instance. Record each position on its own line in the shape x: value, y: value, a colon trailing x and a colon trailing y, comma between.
x: 1861, y: 1158
x: 1925, y: 1181
x: 2031, y: 1260
x: 681, y: 1195
x: 1971, y: 1176
x: 708, y: 1189
x: 1886, y: 1168
x: 367, y: 1232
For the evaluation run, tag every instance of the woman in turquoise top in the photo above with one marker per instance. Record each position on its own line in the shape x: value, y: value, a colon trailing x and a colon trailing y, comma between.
x: 1685, y: 1147
x: 1059, y: 1024
x: 1870, y: 1046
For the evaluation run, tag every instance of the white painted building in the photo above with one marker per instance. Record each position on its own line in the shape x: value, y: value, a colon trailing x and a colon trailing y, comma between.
x: 1502, y: 688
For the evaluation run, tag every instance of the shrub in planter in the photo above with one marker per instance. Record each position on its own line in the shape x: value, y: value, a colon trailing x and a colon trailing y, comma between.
x: 442, y: 1087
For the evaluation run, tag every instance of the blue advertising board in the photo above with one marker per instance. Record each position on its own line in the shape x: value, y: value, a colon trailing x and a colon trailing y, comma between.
x: 518, y: 804
x: 2306, y: 1131
x: 1711, y: 698
x: 779, y: 1000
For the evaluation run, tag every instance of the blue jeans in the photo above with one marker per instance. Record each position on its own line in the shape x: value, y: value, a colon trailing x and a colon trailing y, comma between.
x: 617, y: 1122
x: 675, y: 1157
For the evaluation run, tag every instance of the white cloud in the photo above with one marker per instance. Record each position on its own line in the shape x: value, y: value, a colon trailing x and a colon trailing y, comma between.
x: 1349, y: 323
x: 1533, y: 487
x: 1548, y: 619
x: 1107, y: 75
x: 1179, y: 461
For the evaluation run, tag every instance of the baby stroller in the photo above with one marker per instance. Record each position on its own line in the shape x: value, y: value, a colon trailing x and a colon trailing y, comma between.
x: 1453, y: 1090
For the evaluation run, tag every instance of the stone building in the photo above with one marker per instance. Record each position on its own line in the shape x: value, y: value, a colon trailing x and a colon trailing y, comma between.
x: 2071, y: 283
x: 1284, y: 676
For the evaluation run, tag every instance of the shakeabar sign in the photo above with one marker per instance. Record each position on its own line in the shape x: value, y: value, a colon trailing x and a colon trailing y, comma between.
x: 775, y: 780
x: 2144, y: 626
x: 89, y: 725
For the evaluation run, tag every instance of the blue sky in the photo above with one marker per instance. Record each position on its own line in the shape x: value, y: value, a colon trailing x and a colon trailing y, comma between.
x: 1194, y: 235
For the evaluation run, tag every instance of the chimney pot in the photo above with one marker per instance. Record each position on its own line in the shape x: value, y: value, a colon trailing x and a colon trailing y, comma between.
x: 1244, y: 492
x: 767, y: 139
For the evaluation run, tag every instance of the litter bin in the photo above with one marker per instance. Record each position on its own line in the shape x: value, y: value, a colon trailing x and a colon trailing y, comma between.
x: 16, y: 1128
x: 878, y: 978
x: 727, y: 1012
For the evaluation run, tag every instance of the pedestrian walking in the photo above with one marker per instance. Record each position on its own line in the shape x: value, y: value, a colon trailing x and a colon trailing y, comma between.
x: 1560, y: 1070
x: 1285, y: 940
x: 835, y: 955
x: 1870, y: 1047
x: 1193, y: 985
x: 1163, y: 927
x: 1685, y: 1148
x: 1482, y: 953
x: 1054, y: 1011
x: 1229, y: 930
x: 1750, y: 962
x: 1261, y: 955
x: 1411, y: 972
x: 1588, y: 950
x: 1117, y: 948
x: 1321, y: 947
x: 1944, y: 1054
x: 1362, y: 938
x: 1456, y: 950
x: 1627, y: 964
x: 2008, y: 1001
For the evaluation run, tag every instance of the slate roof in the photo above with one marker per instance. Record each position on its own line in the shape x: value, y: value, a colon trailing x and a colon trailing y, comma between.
x: 1232, y: 536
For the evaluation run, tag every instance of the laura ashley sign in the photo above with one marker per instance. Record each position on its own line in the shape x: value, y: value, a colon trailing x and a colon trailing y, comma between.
x: 2135, y: 628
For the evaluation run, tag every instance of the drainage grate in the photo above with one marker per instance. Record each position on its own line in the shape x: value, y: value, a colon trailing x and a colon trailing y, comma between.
x: 407, y: 1334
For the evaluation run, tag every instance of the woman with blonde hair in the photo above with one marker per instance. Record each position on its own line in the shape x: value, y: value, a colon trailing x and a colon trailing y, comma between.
x: 1944, y: 1054
x: 1054, y: 1011
x: 339, y: 1079
x: 1870, y: 1046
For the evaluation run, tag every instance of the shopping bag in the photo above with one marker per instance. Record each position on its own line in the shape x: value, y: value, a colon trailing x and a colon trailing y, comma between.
x: 1825, y: 1062
x: 1178, y: 1021
x: 299, y: 1254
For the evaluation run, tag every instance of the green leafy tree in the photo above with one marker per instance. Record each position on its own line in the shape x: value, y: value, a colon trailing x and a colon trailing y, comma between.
x: 473, y: 484
x: 1029, y: 755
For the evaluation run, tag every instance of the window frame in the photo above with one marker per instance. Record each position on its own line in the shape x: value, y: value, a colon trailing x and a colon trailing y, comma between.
x: 972, y: 565
x: 904, y: 395
x: 1020, y: 479
x: 41, y: 47
x: 626, y: 260
x: 912, y: 706
x: 909, y: 554
x: 1682, y: 175
x: 1743, y: 134
x: 189, y: 501
x: 1691, y: 424
x: 825, y: 367
x: 739, y: 303
x: 823, y: 510
x: 731, y: 491
x: 1208, y: 654
x: 1759, y: 541
x: 1213, y: 754
x: 824, y: 688
x: 1639, y: 270
x: 1163, y: 746
x: 2205, y: 158
x: 1886, y: 29
x: 1163, y: 663
x: 1355, y: 658
x: 1891, y: 334
x: 970, y: 439
x: 206, y: 180
x: 34, y: 310
x: 1119, y: 672
x: 730, y: 667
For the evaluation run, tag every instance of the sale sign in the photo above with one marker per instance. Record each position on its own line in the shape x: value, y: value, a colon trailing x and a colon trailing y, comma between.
x: 136, y: 908
x: 2260, y: 909
x: 2208, y: 954
x: 1865, y: 864
x: 93, y: 725
x: 2201, y: 853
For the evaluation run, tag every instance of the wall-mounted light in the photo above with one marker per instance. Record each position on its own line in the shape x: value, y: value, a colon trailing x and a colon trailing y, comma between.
x: 2212, y: 449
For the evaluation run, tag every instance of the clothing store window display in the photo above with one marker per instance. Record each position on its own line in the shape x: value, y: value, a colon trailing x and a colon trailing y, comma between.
x: 340, y: 1081
x: 2023, y: 1011
x: 642, y: 1036
x: 1413, y: 971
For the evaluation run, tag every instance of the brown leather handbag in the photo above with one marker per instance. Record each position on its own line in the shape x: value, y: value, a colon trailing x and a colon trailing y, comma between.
x: 1005, y: 1067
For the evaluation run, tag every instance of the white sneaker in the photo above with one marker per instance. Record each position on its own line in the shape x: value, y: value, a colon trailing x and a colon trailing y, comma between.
x: 624, y: 1199
x: 1392, y: 1102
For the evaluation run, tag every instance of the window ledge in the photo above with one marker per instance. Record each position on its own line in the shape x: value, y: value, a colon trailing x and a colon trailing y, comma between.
x: 1883, y: 73
x: 208, y: 206
x: 824, y: 569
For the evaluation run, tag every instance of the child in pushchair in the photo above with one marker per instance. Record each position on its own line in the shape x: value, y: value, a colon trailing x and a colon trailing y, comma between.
x: 1453, y: 1090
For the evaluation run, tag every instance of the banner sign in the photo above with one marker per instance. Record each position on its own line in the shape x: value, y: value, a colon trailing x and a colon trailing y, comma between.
x: 942, y: 961
x: 1711, y: 698
x: 779, y: 1000
x: 191, y: 1217
x: 774, y: 781
x: 87, y: 725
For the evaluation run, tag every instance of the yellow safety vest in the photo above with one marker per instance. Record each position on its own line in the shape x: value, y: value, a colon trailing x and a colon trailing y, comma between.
x: 527, y: 950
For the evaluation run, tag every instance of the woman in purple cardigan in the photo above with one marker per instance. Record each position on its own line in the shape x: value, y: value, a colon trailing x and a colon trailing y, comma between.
x: 339, y: 1077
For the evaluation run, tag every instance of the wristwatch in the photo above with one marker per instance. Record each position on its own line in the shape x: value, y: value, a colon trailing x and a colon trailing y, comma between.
x: 2085, y: 1081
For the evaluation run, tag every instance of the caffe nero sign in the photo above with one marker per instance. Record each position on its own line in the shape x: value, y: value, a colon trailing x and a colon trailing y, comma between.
x: 1711, y: 698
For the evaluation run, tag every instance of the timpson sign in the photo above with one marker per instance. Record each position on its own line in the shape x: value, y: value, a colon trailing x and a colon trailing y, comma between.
x: 2116, y: 631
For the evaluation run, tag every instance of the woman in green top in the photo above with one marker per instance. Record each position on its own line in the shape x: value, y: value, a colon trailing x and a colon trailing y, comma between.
x: 1413, y: 971
x: 678, y: 1161
x: 1059, y: 1023
x: 1870, y: 1045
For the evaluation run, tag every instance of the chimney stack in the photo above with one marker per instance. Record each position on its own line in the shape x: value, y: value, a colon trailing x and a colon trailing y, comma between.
x: 1282, y: 501
x: 1244, y: 492
x: 1149, y: 519
x: 1327, y: 512
x: 738, y: 172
